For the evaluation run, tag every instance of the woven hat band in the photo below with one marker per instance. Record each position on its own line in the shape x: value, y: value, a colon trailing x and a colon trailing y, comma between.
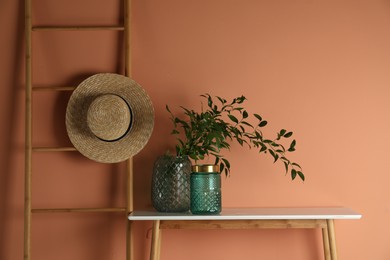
x: 109, y: 117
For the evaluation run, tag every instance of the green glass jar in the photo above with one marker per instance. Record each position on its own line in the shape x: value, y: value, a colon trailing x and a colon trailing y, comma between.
x: 205, y: 189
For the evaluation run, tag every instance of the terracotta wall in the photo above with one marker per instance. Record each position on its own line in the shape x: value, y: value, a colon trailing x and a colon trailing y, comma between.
x: 319, y: 68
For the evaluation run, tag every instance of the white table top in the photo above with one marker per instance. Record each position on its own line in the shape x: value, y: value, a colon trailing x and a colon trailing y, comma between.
x: 253, y: 214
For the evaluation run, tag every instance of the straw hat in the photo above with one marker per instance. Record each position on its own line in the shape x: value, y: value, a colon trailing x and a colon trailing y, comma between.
x: 109, y: 118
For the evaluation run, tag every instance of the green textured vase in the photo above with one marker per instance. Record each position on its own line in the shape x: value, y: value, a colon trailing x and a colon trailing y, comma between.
x: 205, y: 190
x: 171, y: 184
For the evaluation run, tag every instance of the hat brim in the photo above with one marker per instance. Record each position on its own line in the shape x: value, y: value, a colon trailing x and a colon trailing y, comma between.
x: 142, y: 118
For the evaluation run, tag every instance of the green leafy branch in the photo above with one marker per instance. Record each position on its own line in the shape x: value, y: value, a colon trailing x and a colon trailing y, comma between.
x: 207, y: 133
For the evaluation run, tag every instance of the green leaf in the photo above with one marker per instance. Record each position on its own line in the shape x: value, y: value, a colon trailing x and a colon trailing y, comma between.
x: 193, y: 156
x: 276, y: 157
x: 178, y: 152
x: 286, y: 166
x: 259, y: 135
x: 221, y: 167
x: 216, y: 159
x: 295, y: 164
x: 301, y: 175
x: 263, y: 148
x: 281, y: 133
x: 263, y: 123
x: 240, y: 99
x: 233, y: 118
x: 287, y: 135
x: 293, y: 174
x: 213, y: 149
x: 292, y: 146
x: 244, y: 114
x: 258, y: 117
x: 184, y: 123
x: 174, y: 132
x: 187, y: 112
x: 210, y: 102
x: 246, y: 123
x: 181, y: 142
x: 227, y: 163
x: 222, y: 100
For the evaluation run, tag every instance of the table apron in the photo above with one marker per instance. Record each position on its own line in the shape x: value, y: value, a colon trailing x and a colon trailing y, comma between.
x: 243, y: 224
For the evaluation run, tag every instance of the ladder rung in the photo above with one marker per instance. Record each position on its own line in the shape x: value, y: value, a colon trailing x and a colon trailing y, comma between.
x: 54, y: 149
x: 54, y: 88
x: 80, y: 210
x: 78, y: 28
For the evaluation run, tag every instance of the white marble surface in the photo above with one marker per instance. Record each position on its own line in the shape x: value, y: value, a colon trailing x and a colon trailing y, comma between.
x: 254, y: 214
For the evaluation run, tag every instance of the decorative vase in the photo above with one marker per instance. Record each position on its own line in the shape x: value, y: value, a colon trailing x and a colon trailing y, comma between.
x: 171, y: 184
x: 205, y: 189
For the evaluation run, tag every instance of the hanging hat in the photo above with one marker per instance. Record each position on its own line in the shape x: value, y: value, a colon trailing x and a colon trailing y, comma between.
x: 109, y: 118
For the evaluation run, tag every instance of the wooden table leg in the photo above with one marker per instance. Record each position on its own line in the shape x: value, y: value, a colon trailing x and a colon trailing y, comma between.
x: 159, y: 244
x: 156, y: 241
x: 129, y: 241
x: 325, y: 240
x: 332, y: 239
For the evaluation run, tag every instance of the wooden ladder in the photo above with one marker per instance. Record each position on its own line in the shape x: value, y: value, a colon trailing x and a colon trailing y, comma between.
x: 29, y: 148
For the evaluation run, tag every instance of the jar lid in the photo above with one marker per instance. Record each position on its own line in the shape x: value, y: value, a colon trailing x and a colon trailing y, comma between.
x: 205, y: 168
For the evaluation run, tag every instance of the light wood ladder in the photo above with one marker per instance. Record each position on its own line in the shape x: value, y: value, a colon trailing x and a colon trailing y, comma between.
x: 29, y: 148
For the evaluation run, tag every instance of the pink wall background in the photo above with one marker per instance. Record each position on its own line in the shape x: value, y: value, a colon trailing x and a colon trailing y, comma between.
x: 319, y: 68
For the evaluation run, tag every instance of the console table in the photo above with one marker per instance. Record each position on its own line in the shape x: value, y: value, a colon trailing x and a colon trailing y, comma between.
x: 250, y: 218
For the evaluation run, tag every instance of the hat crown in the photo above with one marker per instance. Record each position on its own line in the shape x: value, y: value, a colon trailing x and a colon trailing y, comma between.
x: 109, y: 117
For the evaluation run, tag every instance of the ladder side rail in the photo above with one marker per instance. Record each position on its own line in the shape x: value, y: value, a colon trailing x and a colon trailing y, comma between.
x: 129, y: 164
x: 28, y: 132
